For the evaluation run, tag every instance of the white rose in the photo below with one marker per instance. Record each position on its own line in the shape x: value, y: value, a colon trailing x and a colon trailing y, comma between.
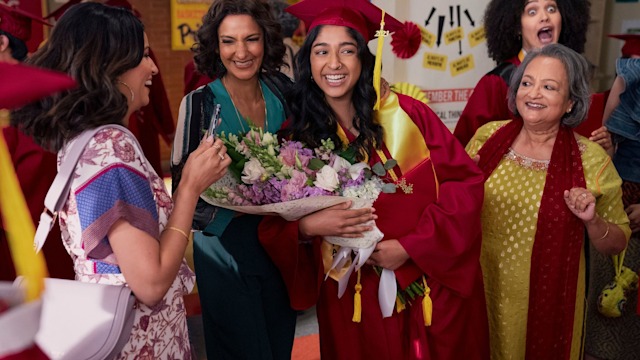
x: 356, y: 169
x: 327, y: 179
x: 340, y: 163
x: 268, y: 139
x: 252, y: 171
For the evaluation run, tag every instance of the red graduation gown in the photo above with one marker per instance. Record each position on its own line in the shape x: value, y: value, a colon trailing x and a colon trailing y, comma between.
x: 36, y: 169
x: 487, y: 103
x: 441, y: 233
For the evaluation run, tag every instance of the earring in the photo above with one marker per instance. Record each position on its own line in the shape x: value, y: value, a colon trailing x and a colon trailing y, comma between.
x: 569, y: 111
x: 128, y: 87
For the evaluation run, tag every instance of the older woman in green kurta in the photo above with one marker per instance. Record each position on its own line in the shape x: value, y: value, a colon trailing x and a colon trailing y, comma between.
x: 545, y: 185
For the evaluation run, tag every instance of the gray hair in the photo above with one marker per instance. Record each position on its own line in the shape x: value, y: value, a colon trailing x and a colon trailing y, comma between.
x: 577, y: 69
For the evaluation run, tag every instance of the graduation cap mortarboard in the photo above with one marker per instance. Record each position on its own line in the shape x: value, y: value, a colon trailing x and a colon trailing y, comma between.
x: 631, y: 44
x: 360, y: 15
x: 23, y: 84
x: 363, y: 17
x: 18, y: 22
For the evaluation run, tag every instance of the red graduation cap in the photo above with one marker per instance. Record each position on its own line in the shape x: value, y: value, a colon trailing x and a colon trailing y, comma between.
x: 18, y: 22
x: 362, y: 16
x: 631, y: 44
x: 23, y: 84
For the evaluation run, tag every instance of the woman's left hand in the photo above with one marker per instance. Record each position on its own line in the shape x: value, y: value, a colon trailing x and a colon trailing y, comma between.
x: 389, y: 254
x: 581, y: 203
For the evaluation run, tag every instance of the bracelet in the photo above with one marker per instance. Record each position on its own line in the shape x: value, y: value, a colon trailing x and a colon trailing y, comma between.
x: 181, y: 232
x: 606, y: 232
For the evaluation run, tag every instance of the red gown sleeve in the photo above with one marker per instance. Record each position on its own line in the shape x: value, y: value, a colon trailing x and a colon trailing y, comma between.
x: 297, y: 263
x: 488, y: 102
x: 445, y: 244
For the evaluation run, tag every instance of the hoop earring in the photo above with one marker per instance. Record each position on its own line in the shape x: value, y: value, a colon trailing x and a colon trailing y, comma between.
x: 128, y: 87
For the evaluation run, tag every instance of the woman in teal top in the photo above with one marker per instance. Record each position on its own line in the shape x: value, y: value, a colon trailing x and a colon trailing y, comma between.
x: 245, y: 306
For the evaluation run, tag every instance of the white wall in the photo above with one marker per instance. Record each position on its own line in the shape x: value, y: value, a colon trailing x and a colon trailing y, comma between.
x: 448, y: 90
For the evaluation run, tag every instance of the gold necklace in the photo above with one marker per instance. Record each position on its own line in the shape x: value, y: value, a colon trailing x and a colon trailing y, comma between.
x: 238, y: 116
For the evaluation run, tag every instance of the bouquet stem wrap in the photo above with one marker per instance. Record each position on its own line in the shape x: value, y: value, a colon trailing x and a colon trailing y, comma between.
x: 358, y: 251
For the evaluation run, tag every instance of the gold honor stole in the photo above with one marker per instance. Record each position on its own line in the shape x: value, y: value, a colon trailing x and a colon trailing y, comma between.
x: 402, y: 137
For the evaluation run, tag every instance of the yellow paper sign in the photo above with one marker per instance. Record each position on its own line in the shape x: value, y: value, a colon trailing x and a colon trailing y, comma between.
x: 454, y: 35
x: 477, y: 36
x: 186, y: 18
x: 434, y: 61
x: 462, y: 65
x: 427, y: 37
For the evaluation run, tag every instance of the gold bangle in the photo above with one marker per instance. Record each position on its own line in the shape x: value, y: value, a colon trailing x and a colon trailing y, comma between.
x: 606, y: 233
x: 182, y: 232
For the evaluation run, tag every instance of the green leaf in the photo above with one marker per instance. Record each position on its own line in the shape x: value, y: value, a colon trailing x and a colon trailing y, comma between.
x: 378, y: 169
x: 410, y: 292
x: 389, y: 188
x: 316, y: 164
x: 235, y: 172
x: 390, y: 164
x: 234, y: 155
x: 349, y: 154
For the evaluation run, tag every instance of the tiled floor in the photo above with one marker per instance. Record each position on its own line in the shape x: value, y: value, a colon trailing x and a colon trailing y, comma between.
x: 306, y: 345
x: 307, y: 323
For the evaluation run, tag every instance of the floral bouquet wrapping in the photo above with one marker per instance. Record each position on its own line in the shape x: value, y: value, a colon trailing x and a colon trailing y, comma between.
x: 291, y: 180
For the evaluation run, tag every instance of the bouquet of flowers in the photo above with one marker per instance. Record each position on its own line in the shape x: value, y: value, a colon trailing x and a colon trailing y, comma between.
x: 288, y: 179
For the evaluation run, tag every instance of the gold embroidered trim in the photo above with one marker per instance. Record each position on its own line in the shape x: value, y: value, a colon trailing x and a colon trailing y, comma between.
x: 534, y: 164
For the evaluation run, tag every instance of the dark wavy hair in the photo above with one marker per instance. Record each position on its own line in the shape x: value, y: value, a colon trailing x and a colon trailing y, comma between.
x: 577, y: 70
x: 312, y: 118
x: 18, y: 47
x: 207, y: 50
x: 94, y: 44
x: 502, y: 22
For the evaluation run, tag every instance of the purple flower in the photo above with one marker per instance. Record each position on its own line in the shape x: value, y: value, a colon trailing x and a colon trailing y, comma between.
x: 290, y: 150
x: 294, y: 188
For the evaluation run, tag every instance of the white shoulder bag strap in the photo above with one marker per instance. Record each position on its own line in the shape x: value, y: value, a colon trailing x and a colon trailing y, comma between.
x: 59, y: 190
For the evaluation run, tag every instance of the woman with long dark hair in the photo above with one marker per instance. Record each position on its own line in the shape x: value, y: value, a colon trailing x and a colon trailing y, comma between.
x: 119, y: 224
x: 431, y: 224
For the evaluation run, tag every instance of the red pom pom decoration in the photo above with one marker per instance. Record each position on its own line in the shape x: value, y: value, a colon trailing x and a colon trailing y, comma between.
x: 406, y: 41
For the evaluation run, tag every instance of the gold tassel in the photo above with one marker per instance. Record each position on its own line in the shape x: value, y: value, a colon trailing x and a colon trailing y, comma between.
x: 427, y: 305
x: 377, y: 68
x: 357, y: 302
x: 399, y: 305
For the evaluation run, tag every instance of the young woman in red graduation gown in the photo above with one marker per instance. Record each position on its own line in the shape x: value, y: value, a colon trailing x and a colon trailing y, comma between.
x: 431, y: 224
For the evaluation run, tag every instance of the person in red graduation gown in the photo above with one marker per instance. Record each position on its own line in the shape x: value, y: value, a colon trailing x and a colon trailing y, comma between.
x: 513, y: 28
x: 35, y: 167
x: 431, y: 225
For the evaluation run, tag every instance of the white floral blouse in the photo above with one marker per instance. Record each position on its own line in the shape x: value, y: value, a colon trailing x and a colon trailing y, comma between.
x: 112, y: 181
